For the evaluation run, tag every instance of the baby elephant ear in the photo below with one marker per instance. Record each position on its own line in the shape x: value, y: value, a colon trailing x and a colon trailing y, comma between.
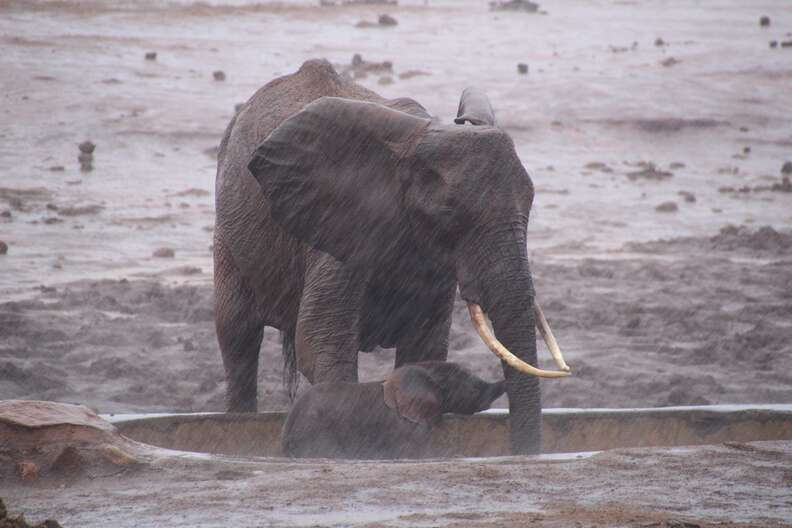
x: 411, y: 392
x: 330, y: 175
x: 475, y: 108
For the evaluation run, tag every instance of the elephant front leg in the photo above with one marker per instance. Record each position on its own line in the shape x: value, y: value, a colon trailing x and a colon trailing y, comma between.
x: 327, y: 334
x: 427, y: 339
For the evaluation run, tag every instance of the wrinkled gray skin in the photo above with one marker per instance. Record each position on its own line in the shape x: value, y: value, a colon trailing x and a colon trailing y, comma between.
x: 347, y: 221
x: 391, y: 419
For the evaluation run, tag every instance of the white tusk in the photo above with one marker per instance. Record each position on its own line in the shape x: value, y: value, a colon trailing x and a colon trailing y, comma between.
x: 549, y: 339
x: 480, y: 322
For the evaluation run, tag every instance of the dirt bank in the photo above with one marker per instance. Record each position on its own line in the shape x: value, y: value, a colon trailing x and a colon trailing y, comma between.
x: 679, y: 322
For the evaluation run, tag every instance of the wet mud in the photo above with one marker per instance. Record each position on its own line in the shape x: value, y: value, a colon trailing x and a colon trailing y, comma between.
x: 105, y: 274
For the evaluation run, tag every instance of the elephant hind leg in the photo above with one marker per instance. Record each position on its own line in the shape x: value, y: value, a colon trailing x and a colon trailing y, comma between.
x: 291, y: 378
x: 240, y: 330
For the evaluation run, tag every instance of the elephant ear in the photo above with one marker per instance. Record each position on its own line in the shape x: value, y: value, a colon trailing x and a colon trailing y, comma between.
x: 330, y: 173
x: 414, y: 395
x: 475, y: 108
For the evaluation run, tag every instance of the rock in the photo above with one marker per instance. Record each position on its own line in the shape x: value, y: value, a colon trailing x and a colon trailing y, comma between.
x: 522, y: 68
x: 598, y: 166
x: 514, y: 5
x: 409, y: 74
x: 56, y: 168
x: 764, y: 21
x: 387, y: 21
x: 27, y: 471
x: 650, y: 172
x: 151, y: 55
x: 773, y: 43
x: 785, y: 185
x: 786, y: 168
x: 659, y: 42
x: 6, y: 214
x: 688, y: 196
x: 786, y: 44
x: 675, y: 165
x: 164, y: 252
x: 360, y: 68
x: 219, y: 75
x: 670, y: 61
x: 746, y: 150
x: 3, y: 248
x: 238, y: 107
x: 667, y: 207
x: 87, y: 147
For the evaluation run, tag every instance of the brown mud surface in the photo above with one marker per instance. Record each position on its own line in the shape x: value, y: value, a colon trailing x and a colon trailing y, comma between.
x: 690, y: 321
x: 728, y: 486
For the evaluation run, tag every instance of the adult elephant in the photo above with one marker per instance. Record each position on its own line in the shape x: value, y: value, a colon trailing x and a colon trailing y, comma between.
x: 347, y: 221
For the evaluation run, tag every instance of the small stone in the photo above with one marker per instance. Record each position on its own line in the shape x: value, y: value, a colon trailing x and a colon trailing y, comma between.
x: 3, y: 248
x: 786, y: 44
x: 164, y: 252
x: 56, y: 168
x: 659, y: 42
x: 6, y: 213
x: 667, y: 207
x: 238, y: 107
x: 219, y: 75
x: 151, y: 55
x: 522, y: 68
x: 764, y: 21
x: 746, y: 150
x: 87, y: 147
x: 786, y: 168
x: 688, y: 196
x: 670, y: 61
x: 773, y: 43
x: 387, y: 20
x: 357, y: 60
x: 27, y: 471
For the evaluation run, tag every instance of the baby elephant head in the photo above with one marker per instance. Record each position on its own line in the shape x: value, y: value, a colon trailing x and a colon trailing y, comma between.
x: 421, y: 392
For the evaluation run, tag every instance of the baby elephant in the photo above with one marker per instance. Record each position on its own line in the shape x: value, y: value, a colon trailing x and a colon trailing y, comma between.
x: 390, y: 419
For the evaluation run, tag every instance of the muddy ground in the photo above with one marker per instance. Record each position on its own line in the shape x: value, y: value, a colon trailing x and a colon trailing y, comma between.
x: 687, y: 322
x: 660, y: 236
x: 728, y: 486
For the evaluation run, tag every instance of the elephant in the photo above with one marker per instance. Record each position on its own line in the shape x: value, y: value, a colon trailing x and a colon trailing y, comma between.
x: 348, y: 222
x: 390, y: 419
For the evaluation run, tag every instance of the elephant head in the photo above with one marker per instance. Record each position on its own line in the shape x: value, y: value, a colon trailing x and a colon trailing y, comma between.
x: 421, y: 392
x: 374, y: 186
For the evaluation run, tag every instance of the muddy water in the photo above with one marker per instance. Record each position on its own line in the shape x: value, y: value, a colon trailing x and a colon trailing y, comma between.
x: 596, y: 91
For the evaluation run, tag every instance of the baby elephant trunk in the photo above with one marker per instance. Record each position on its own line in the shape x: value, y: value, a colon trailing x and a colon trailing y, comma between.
x: 470, y: 400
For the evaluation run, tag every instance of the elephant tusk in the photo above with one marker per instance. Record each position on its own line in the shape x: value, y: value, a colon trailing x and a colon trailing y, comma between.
x: 549, y: 338
x: 479, y: 321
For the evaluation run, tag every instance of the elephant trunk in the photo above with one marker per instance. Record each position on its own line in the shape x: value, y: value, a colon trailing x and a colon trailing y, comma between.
x: 493, y: 272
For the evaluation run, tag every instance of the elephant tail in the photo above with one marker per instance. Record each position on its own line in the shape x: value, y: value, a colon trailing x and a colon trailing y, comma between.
x: 291, y: 378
